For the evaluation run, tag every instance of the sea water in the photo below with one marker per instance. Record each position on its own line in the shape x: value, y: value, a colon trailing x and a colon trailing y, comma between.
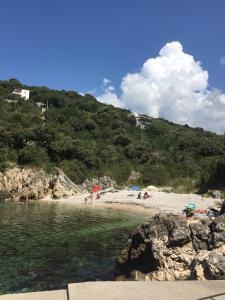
x: 45, y: 246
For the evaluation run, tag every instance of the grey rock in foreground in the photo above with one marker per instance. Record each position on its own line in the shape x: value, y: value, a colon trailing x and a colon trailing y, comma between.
x: 168, y: 247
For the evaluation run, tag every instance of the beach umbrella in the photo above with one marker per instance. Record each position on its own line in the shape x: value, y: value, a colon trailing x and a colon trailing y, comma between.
x: 152, y: 188
x: 191, y: 205
x: 96, y: 188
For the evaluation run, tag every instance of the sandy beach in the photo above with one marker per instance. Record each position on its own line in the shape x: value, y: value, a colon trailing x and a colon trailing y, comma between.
x: 159, y: 201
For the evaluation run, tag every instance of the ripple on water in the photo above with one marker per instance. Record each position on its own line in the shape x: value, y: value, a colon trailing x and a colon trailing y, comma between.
x: 47, y: 245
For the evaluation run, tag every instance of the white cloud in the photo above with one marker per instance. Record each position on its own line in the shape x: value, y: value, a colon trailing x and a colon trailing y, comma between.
x: 111, y: 88
x: 106, y: 81
x: 173, y: 86
x: 110, y: 98
x: 222, y: 61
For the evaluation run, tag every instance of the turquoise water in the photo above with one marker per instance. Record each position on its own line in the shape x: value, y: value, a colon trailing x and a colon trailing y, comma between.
x: 45, y: 246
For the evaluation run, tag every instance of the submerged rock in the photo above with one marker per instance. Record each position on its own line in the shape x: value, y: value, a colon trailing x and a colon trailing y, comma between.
x: 168, y: 247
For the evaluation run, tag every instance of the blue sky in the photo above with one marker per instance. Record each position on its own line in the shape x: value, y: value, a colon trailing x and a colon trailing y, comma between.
x: 74, y: 44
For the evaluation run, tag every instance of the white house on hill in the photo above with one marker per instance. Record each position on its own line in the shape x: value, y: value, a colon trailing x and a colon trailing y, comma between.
x: 25, y: 94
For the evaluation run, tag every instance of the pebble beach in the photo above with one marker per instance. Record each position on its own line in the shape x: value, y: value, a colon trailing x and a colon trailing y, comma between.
x: 158, y: 201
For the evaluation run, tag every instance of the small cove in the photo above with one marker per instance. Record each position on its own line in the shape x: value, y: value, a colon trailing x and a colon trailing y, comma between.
x: 45, y: 246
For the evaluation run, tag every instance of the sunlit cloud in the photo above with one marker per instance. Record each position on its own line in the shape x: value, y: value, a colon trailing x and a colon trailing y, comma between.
x: 174, y: 86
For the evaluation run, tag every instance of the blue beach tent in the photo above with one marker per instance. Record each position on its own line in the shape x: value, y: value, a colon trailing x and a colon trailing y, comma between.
x: 135, y: 188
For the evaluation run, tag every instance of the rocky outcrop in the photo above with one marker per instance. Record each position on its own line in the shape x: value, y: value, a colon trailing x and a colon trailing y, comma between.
x: 168, y: 247
x: 34, y: 184
x: 105, y: 182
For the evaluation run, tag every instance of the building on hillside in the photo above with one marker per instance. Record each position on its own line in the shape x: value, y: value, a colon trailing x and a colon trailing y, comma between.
x: 136, y: 115
x: 25, y: 94
x: 141, y: 120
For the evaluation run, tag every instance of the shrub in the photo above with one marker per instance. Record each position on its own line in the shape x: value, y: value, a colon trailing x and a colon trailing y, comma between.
x: 32, y: 154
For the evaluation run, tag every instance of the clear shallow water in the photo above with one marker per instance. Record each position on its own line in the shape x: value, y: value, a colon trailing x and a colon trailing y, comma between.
x: 45, y: 246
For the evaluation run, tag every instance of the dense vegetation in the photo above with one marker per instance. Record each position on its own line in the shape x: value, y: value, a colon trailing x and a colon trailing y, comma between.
x: 87, y: 138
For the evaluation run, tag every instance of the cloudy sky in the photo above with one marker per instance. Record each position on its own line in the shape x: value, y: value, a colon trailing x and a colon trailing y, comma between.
x: 172, y: 85
x: 164, y: 58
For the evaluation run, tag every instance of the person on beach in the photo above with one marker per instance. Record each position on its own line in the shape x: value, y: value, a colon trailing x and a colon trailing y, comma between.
x: 139, y: 195
x: 90, y: 197
x: 86, y: 199
x: 146, y: 195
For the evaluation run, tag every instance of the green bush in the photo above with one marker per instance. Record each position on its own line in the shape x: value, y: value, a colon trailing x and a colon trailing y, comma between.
x: 155, y: 175
x: 88, y: 138
x: 32, y: 154
x: 75, y: 169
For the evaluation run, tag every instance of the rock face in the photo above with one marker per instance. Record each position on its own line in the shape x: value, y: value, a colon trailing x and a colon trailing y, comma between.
x: 168, y: 247
x: 27, y: 184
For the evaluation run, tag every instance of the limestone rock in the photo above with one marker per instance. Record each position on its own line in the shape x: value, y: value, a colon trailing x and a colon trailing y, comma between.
x: 105, y: 182
x: 34, y: 184
x: 200, y: 236
x: 168, y: 247
x: 214, y: 266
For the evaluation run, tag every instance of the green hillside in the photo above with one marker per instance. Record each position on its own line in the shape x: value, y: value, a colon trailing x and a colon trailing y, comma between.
x: 87, y: 138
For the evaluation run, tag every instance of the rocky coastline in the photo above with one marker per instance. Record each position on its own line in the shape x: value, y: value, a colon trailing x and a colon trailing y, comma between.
x: 34, y: 184
x: 168, y: 247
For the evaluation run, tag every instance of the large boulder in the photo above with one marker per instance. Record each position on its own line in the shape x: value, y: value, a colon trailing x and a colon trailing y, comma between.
x: 168, y: 247
x: 214, y: 265
x: 218, y: 231
x: 200, y: 234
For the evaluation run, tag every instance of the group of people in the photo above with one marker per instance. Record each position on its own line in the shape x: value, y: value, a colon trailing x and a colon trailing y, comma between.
x: 145, y: 196
x: 91, y: 197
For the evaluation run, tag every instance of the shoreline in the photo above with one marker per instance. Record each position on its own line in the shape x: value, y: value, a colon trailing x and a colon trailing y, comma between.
x: 130, y: 207
x: 127, y: 200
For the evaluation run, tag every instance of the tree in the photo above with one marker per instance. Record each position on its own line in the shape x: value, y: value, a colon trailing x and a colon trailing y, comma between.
x: 121, y: 139
x: 32, y: 154
x: 156, y: 175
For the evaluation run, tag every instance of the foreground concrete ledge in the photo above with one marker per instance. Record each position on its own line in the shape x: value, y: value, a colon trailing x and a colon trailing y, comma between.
x: 49, y: 295
x: 131, y: 290
x: 154, y: 290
